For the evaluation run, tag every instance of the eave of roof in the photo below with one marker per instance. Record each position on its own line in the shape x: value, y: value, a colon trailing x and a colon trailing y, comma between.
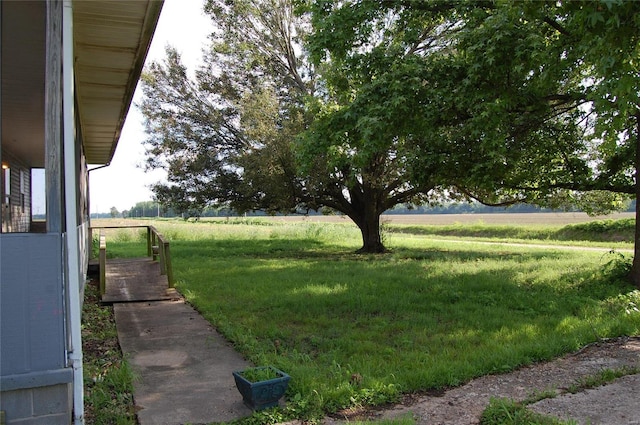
x: 111, y: 41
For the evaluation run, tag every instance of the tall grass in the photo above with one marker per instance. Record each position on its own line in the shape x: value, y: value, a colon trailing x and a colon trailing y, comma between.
x: 607, y: 233
x: 359, y: 330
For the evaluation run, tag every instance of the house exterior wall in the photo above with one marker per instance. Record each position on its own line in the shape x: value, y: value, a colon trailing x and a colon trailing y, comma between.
x: 42, y: 274
x: 34, y: 377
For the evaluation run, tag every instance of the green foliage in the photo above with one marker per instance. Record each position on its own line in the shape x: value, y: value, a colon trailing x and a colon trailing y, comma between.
x: 629, y: 303
x: 111, y: 395
x: 501, y: 102
x: 126, y: 242
x: 508, y: 412
x: 540, y: 395
x: 604, y: 227
x: 95, y: 245
x: 224, y: 135
x: 618, y: 267
x: 230, y: 138
x: 503, y: 411
x: 404, y: 420
x: 145, y: 209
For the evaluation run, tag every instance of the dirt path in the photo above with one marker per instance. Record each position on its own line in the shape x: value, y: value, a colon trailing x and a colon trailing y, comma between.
x: 463, y: 405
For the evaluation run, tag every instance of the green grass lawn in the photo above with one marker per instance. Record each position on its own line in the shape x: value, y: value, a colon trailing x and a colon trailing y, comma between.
x: 362, y: 329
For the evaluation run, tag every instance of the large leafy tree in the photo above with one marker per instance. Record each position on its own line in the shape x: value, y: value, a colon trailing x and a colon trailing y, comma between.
x: 224, y: 135
x: 231, y: 134
x: 528, y: 101
x: 366, y: 80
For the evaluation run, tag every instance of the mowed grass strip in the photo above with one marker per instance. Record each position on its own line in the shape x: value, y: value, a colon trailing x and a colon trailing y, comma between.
x: 354, y: 329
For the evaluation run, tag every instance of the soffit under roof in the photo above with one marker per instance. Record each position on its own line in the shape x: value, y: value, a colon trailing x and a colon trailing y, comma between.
x: 23, y: 62
x: 111, y: 42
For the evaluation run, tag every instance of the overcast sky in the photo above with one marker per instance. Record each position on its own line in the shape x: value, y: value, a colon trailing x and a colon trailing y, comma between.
x: 183, y: 25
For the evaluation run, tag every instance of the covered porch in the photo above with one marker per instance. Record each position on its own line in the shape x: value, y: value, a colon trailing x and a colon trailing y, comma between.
x: 69, y: 70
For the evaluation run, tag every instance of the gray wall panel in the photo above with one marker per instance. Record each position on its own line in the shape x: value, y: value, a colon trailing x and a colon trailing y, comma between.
x: 31, y: 303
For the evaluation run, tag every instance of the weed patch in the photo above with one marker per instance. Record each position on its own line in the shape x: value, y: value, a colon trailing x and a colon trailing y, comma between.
x: 107, y: 376
x: 508, y: 412
x: 603, y: 377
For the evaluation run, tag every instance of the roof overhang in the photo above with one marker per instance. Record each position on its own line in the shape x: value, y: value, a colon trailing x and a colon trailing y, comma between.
x: 111, y: 41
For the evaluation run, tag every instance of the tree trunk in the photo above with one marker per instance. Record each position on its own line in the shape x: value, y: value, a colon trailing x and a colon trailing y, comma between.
x: 369, y: 225
x: 635, y: 268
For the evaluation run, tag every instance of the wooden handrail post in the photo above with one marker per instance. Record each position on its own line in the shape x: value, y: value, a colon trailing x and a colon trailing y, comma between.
x: 161, y: 251
x: 154, y: 242
x: 149, y: 244
x: 168, y: 268
x: 91, y: 242
x: 103, y: 262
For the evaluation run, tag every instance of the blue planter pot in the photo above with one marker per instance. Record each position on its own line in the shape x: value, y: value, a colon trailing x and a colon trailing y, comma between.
x: 262, y: 394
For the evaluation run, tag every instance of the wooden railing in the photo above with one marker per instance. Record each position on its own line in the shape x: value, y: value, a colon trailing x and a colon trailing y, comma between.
x: 103, y: 260
x: 157, y: 247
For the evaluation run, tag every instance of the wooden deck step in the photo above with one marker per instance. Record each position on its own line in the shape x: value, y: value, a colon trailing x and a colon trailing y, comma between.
x: 136, y: 279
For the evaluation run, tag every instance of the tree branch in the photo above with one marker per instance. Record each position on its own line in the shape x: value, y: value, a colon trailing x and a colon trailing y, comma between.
x: 477, y: 198
x: 555, y: 25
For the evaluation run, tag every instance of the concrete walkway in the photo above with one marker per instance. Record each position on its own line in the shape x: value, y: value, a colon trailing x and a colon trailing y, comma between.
x: 183, y: 366
x: 617, y: 403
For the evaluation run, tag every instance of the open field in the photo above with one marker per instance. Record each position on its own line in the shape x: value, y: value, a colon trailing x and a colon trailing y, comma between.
x: 357, y: 330
x: 569, y: 229
x: 547, y: 219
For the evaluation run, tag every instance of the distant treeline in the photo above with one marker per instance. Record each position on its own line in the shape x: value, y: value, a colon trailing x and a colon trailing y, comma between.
x: 152, y: 209
x: 476, y: 208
